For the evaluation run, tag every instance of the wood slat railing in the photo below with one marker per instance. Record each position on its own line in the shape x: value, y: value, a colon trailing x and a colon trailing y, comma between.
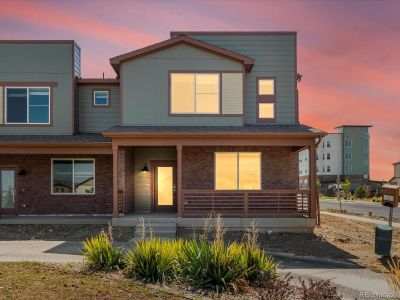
x: 246, y: 203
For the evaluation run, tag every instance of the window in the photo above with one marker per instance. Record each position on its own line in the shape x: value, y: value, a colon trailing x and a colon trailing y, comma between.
x: 323, y: 169
x: 328, y: 144
x: 266, y: 91
x: 349, y: 168
x: 328, y: 156
x: 195, y: 93
x: 237, y: 171
x: 348, y: 142
x: 323, y: 156
x: 323, y: 144
x: 73, y: 176
x: 27, y: 105
x: 317, y: 156
x: 328, y: 169
x: 101, y: 98
x: 348, y: 155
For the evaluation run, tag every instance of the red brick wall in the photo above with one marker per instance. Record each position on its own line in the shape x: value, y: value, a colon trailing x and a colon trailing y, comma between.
x: 279, y: 166
x: 33, y: 190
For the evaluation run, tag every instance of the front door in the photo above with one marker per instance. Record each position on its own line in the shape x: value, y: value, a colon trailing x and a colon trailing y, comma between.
x: 7, y: 191
x: 164, y: 186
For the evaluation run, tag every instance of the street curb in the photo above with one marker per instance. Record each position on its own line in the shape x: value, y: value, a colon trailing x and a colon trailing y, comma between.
x: 311, y: 258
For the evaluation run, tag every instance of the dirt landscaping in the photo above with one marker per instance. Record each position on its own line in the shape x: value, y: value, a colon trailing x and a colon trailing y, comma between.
x: 60, y: 232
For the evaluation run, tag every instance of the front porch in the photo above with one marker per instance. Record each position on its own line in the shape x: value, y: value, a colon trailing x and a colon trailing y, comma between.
x: 278, y: 203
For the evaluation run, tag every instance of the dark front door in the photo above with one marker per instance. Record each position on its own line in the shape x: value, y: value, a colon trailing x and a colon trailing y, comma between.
x: 7, y: 191
x: 164, y: 186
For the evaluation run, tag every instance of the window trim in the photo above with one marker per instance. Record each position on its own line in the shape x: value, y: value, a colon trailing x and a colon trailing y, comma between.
x: 238, y: 171
x: 265, y: 99
x: 108, y: 98
x: 73, y: 176
x: 194, y: 72
x: 27, y: 87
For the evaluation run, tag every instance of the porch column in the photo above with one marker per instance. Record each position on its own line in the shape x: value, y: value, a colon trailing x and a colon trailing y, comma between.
x: 179, y: 180
x: 115, y: 180
x: 313, y: 180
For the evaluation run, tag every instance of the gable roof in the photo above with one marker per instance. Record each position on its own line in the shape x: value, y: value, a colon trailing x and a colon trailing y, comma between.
x: 182, y: 39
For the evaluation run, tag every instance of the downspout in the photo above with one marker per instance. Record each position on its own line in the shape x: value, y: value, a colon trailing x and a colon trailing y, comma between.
x: 317, y: 198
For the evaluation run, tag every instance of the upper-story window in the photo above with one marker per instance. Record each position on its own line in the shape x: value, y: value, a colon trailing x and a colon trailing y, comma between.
x: 328, y: 144
x: 27, y: 105
x: 348, y: 142
x: 266, y: 92
x: 328, y: 156
x: 101, y: 98
x: 193, y: 93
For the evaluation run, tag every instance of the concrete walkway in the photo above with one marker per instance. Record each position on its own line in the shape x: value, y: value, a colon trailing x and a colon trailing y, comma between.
x: 361, y: 219
x: 44, y: 251
x: 352, y: 282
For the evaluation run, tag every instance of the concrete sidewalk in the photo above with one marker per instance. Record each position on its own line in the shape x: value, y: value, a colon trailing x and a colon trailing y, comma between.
x: 361, y: 219
x: 352, y: 282
x: 44, y: 251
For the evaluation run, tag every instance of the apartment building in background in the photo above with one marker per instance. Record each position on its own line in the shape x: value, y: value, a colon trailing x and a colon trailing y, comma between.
x: 396, y: 175
x: 343, y: 154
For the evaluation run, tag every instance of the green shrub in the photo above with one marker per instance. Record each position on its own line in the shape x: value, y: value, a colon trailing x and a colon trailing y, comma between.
x: 100, y: 254
x: 214, y: 265
x: 362, y: 192
x: 259, y: 265
x: 153, y: 260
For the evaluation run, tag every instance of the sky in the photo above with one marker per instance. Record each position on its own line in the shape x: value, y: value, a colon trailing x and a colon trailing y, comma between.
x: 348, y: 51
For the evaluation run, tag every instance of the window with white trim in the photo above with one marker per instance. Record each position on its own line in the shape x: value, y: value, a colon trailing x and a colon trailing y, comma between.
x: 193, y: 93
x: 266, y: 99
x: 73, y: 176
x: 237, y: 170
x: 101, y: 98
x: 27, y: 105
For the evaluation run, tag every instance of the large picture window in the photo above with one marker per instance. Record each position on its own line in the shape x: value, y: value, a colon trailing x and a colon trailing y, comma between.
x: 27, y: 105
x: 237, y: 171
x: 195, y: 93
x: 73, y: 176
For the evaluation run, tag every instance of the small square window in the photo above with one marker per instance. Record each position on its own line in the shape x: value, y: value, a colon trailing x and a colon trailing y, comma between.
x: 266, y: 110
x: 266, y: 87
x: 101, y: 98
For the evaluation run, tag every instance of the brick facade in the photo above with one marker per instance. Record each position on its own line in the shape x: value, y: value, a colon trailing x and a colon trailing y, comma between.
x: 33, y: 190
x: 279, y: 166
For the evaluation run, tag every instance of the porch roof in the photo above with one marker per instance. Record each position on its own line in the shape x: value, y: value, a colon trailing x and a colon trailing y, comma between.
x: 77, y: 138
x: 274, y: 129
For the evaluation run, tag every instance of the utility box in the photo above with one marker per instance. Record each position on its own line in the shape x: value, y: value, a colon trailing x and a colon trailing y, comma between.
x: 390, y: 195
x: 383, y: 240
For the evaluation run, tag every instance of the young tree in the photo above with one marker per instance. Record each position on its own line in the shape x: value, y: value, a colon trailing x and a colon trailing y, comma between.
x: 346, y: 187
x: 378, y: 192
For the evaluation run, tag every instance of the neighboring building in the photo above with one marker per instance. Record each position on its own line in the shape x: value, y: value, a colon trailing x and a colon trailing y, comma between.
x: 344, y: 154
x: 396, y: 175
x: 202, y: 122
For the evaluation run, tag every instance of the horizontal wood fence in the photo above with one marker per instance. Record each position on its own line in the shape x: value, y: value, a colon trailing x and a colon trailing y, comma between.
x: 246, y: 203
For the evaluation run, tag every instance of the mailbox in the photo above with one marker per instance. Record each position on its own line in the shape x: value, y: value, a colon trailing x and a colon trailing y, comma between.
x: 390, y: 195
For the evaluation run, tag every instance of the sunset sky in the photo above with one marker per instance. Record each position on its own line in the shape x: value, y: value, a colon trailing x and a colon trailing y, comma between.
x: 348, y: 51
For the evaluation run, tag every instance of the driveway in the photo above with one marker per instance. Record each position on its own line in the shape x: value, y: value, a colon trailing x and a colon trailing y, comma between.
x: 360, y: 207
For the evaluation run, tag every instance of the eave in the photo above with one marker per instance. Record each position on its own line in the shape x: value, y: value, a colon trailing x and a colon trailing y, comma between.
x: 246, y: 60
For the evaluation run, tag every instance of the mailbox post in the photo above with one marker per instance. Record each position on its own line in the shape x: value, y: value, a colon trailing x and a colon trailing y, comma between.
x: 383, y: 233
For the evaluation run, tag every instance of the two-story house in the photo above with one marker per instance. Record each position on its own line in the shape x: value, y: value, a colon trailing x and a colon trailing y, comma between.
x: 201, y: 122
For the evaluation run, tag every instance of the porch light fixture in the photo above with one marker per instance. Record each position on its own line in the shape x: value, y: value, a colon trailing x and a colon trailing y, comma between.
x: 145, y: 168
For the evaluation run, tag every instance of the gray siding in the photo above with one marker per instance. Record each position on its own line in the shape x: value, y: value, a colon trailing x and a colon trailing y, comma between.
x: 232, y: 93
x: 41, y: 62
x: 97, y: 119
x: 275, y: 56
x: 145, y: 87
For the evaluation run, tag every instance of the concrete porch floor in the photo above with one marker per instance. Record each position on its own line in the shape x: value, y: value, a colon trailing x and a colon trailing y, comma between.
x: 64, y: 220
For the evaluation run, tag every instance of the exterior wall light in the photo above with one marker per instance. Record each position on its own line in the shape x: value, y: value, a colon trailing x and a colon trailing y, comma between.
x: 145, y: 168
